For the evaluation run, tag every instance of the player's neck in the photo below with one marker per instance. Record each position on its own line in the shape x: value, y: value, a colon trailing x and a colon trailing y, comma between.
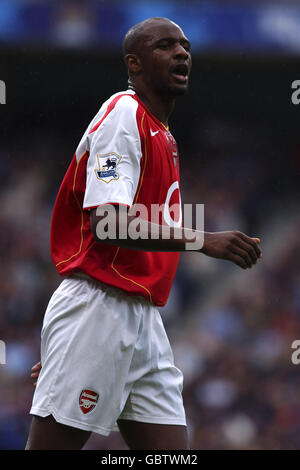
x: 160, y: 108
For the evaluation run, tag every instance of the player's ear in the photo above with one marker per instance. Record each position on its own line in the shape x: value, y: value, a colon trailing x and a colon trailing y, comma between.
x: 133, y: 64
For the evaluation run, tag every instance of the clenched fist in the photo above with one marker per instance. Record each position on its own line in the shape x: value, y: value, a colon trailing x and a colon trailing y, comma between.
x: 232, y: 246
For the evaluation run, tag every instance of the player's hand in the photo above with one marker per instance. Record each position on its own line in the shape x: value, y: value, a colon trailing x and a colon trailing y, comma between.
x: 35, y: 371
x: 233, y: 246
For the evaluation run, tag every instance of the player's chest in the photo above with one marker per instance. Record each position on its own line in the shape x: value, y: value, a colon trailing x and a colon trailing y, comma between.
x: 162, y: 153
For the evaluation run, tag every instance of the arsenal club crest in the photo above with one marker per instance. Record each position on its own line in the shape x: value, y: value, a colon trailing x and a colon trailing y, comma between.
x: 172, y: 147
x: 88, y: 400
x: 107, y: 167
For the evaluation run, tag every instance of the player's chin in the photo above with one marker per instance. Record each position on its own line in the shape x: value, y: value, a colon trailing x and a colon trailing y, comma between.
x: 178, y: 90
x: 178, y: 86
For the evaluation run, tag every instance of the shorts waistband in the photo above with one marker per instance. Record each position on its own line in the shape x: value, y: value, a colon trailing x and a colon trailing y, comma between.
x: 112, y: 290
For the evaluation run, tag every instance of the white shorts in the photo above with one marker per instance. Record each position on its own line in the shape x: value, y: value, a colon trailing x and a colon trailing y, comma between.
x: 105, y: 356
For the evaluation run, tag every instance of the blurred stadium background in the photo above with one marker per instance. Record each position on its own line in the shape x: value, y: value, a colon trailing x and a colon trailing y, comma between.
x: 238, y: 136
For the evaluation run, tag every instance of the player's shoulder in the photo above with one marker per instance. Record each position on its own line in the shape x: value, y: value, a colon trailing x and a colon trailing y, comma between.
x: 120, y: 106
x: 122, y: 101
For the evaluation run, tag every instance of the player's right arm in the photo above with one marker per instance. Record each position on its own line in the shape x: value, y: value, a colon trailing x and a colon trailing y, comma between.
x: 233, y: 246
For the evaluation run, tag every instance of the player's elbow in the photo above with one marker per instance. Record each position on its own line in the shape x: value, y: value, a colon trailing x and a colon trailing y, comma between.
x: 105, y: 222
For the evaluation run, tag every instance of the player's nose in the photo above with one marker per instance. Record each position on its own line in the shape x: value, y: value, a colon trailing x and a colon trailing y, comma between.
x: 180, y: 52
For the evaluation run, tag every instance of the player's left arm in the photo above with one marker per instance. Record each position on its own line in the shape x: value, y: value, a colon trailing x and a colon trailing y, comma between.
x: 35, y: 371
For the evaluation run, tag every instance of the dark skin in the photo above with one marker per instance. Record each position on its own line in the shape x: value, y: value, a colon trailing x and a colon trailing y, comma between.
x: 159, y: 73
x: 163, y: 47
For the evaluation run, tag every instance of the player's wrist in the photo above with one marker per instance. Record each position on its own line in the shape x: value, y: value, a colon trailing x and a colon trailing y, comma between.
x: 193, y: 239
x: 206, y: 237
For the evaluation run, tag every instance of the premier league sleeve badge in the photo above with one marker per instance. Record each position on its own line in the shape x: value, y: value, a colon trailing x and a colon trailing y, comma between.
x: 107, y: 166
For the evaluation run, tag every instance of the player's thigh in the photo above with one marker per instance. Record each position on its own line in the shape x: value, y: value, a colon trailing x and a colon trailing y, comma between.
x: 47, y: 434
x: 149, y: 436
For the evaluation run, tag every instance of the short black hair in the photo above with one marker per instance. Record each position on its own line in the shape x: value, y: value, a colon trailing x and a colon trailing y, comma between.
x: 132, y: 39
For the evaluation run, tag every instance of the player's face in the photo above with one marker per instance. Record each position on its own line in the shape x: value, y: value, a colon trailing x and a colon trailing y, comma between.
x: 166, y: 59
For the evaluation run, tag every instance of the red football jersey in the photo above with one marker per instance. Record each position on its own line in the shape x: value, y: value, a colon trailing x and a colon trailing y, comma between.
x: 126, y: 156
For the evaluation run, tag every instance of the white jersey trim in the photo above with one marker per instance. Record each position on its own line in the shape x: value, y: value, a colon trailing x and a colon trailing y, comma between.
x: 113, y: 165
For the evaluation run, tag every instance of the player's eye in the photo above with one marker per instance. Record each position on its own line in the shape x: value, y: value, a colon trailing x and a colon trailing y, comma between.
x: 163, y: 46
x: 187, y: 47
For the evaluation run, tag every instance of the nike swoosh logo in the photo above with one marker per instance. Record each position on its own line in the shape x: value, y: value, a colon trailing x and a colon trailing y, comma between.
x: 153, y: 133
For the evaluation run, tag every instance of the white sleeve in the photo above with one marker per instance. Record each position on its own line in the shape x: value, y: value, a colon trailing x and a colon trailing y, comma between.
x: 113, y: 166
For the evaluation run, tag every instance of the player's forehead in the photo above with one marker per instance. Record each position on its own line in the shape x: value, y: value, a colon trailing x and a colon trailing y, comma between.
x: 161, y: 29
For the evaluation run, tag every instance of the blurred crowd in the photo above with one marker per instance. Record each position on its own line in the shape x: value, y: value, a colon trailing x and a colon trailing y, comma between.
x: 231, y: 330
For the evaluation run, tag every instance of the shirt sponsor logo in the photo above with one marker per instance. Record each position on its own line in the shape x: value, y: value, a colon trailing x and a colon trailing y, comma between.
x: 88, y: 400
x: 107, y: 164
